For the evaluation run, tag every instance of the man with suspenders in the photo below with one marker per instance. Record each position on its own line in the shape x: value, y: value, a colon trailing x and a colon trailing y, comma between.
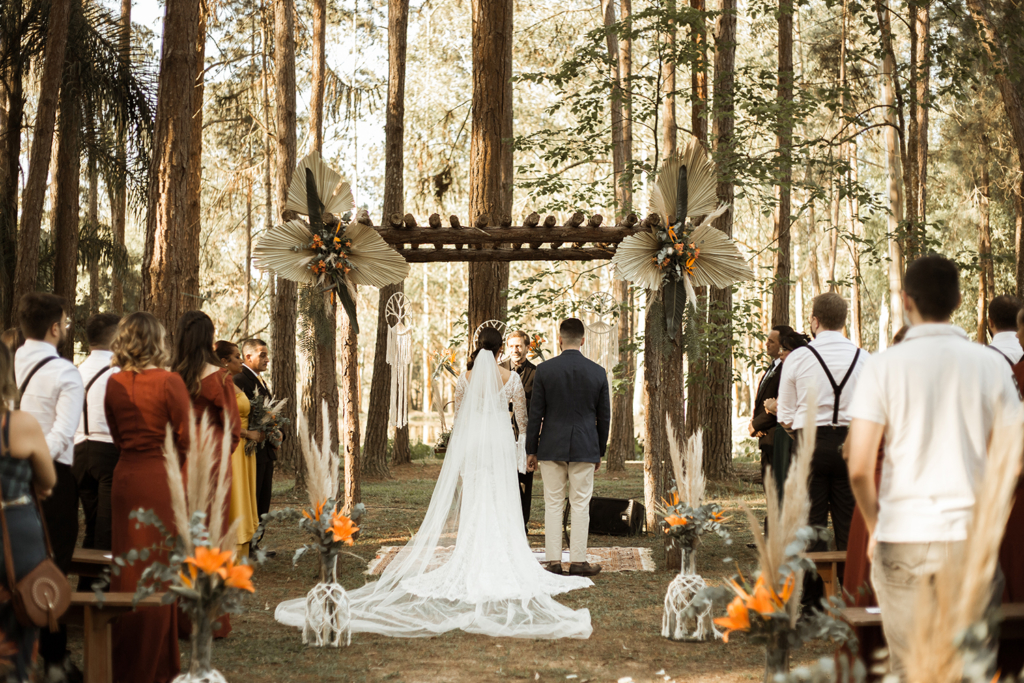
x: 95, y: 452
x: 831, y: 363
x: 1002, y: 323
x: 51, y: 391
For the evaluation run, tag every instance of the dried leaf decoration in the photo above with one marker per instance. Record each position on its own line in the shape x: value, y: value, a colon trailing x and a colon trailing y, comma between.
x: 335, y: 194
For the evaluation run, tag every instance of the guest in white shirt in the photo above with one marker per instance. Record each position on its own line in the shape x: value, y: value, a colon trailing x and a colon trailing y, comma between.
x: 1002, y: 323
x: 52, y: 392
x: 95, y: 452
x: 830, y: 364
x: 936, y: 427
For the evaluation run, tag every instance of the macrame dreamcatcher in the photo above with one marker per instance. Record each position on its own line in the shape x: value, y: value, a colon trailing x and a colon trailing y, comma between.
x: 496, y: 324
x: 602, y: 338
x: 674, y: 255
x: 399, y: 358
x: 329, y: 251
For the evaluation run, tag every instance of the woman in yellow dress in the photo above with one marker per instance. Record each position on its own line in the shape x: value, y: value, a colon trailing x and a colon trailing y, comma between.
x: 243, y: 466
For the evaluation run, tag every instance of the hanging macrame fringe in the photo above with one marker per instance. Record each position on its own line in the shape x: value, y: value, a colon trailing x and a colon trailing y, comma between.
x: 602, y: 344
x: 399, y: 358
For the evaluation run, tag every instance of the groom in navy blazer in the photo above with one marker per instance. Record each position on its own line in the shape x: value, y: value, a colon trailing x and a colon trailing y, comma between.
x: 566, y: 436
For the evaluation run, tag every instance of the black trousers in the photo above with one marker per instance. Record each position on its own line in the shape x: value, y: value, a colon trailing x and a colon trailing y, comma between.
x: 264, y: 484
x: 60, y: 512
x: 94, y: 472
x: 766, y: 460
x: 526, y: 494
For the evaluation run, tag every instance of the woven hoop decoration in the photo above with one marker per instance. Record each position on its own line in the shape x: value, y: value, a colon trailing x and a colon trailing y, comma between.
x: 399, y: 357
x: 496, y: 324
x: 601, y: 343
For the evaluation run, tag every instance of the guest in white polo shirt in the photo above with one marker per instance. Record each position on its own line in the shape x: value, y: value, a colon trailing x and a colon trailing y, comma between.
x: 1002, y: 323
x: 936, y: 427
x: 831, y: 364
x: 51, y: 392
x: 95, y: 452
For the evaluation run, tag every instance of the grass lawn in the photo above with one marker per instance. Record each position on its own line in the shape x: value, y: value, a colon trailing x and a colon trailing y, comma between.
x: 626, y: 608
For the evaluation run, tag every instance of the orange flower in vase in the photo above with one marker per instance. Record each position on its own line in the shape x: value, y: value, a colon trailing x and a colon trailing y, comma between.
x: 738, y: 619
x: 318, y: 510
x: 675, y: 520
x: 210, y: 561
x: 240, y: 577
x: 342, y: 528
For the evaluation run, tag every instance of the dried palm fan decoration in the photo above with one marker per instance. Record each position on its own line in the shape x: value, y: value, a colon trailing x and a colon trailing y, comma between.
x: 602, y: 338
x: 399, y: 357
x: 676, y: 255
x: 328, y: 252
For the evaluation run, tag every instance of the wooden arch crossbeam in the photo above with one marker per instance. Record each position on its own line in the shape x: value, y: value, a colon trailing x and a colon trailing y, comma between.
x: 584, y: 239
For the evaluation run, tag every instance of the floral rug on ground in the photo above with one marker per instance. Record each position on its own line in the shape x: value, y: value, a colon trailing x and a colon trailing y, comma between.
x: 612, y: 559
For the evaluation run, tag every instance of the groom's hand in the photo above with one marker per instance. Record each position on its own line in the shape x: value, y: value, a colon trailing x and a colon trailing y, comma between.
x: 597, y: 465
x: 531, y: 463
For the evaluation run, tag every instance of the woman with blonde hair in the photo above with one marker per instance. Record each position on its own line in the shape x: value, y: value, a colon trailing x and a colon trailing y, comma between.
x: 142, y: 400
x: 25, y: 463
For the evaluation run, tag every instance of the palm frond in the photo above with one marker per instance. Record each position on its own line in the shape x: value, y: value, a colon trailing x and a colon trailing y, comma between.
x: 633, y: 260
x: 376, y: 263
x: 334, y: 192
x: 701, y: 183
x: 720, y: 263
x: 284, y: 250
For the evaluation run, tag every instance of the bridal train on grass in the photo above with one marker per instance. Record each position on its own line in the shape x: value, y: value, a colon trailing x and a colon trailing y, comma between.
x: 490, y: 583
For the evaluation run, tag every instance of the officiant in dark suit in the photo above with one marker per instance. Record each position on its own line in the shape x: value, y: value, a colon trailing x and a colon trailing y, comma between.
x: 255, y: 359
x: 518, y: 344
x: 763, y: 423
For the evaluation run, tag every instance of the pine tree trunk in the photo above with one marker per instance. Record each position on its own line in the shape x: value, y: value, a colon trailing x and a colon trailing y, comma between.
x: 94, y: 221
x: 65, y: 211
x: 165, y: 260
x: 784, y: 140
x: 10, y: 161
x: 668, y: 87
x: 42, y: 145
x: 193, y: 222
x: 986, y: 274
x: 119, y: 196
x: 490, y: 157
x: 923, y: 97
x: 856, y: 314
x: 655, y: 436
x: 894, y: 174
x: 1018, y: 207
x: 718, y: 417
x: 285, y: 303
x: 350, y: 430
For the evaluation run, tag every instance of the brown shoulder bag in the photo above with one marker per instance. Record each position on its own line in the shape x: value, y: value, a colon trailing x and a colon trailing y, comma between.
x: 44, y: 594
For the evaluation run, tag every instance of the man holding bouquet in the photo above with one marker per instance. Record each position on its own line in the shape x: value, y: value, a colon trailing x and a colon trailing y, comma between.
x: 256, y: 358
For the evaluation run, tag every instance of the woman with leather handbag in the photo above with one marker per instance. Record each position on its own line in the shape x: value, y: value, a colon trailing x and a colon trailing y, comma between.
x: 25, y: 463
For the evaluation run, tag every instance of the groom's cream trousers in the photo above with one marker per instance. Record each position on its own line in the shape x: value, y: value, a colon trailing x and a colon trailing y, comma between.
x: 580, y: 477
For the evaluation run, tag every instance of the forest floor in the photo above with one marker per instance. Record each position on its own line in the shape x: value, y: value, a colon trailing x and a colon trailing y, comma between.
x: 625, y: 607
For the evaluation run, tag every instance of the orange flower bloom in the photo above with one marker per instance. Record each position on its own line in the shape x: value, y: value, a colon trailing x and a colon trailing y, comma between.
x: 672, y: 501
x: 317, y: 242
x: 342, y: 528
x: 188, y: 581
x: 210, y: 561
x: 318, y: 510
x: 676, y: 520
x: 240, y: 576
x: 764, y: 600
x: 672, y: 233
x: 738, y: 619
x: 720, y: 517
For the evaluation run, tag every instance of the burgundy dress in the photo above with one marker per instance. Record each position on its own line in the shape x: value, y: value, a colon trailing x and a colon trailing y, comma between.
x: 1011, y: 561
x: 217, y: 395
x: 139, y: 406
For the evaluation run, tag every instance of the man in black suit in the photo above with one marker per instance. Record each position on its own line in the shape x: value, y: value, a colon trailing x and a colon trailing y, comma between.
x: 518, y: 343
x: 256, y: 358
x: 567, y: 436
x: 763, y: 423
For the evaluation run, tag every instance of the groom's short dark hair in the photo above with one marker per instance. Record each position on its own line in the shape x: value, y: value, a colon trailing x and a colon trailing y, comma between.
x: 571, y: 330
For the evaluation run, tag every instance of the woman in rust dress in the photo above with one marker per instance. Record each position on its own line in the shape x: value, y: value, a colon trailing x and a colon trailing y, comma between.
x: 1011, y: 552
x: 142, y: 400
x: 212, y: 392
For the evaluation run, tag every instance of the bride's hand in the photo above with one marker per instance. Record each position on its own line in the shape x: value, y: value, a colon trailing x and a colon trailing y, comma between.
x: 531, y: 463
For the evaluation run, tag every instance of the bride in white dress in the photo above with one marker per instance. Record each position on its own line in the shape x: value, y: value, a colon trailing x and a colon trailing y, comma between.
x: 469, y: 566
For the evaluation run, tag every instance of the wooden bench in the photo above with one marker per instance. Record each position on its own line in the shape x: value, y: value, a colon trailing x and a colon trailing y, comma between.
x: 1012, y: 614
x: 95, y: 619
x: 88, y: 562
x: 828, y: 569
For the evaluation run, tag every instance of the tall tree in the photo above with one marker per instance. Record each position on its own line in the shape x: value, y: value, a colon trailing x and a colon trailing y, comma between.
x: 65, y: 211
x: 11, y: 90
x: 986, y: 268
x: 718, y: 416
x: 620, y: 54
x: 193, y: 219
x: 490, y: 154
x: 119, y: 201
x: 285, y: 302
x: 42, y: 141
x: 784, y: 143
x: 375, y: 447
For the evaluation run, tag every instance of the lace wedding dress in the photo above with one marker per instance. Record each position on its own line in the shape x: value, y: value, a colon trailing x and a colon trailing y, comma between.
x: 469, y: 566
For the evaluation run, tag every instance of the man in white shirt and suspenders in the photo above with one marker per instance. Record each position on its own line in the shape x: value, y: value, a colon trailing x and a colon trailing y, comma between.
x: 1002, y: 323
x: 95, y: 452
x: 831, y: 364
x: 51, y: 391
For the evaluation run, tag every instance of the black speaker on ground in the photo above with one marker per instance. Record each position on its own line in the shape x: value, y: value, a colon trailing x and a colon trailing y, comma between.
x: 612, y: 516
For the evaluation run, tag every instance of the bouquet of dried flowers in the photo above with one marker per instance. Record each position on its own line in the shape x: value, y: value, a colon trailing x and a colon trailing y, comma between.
x: 266, y: 416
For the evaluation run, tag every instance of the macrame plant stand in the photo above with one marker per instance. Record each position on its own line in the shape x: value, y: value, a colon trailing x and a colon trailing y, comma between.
x: 200, y: 670
x: 328, y: 616
x: 399, y: 358
x: 681, y: 592
x: 602, y: 338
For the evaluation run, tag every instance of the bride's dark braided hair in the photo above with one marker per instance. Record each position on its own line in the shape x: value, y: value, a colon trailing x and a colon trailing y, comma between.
x: 489, y: 340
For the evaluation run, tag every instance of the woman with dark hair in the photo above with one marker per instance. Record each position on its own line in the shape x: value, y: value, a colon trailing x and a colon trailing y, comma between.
x: 783, y: 447
x: 24, y: 462
x: 488, y: 581
x: 242, y: 505
x: 142, y: 400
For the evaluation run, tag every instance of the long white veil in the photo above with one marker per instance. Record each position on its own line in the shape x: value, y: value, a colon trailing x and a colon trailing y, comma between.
x: 469, y: 566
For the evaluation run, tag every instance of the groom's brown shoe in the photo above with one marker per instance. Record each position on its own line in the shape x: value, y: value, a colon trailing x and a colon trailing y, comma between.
x: 553, y: 567
x: 584, y: 569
